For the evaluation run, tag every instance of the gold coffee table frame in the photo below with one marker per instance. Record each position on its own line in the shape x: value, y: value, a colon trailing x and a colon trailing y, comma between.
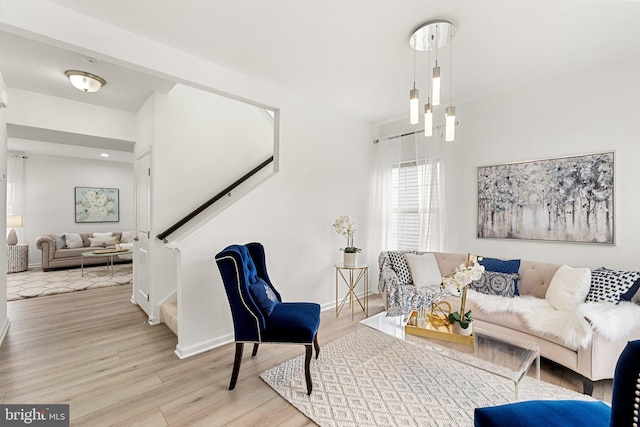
x: 109, y: 255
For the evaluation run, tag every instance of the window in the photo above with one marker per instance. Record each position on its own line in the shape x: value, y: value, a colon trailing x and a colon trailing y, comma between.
x: 414, y: 202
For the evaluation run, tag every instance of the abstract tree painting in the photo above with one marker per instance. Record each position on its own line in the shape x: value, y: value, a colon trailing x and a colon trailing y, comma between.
x: 567, y: 199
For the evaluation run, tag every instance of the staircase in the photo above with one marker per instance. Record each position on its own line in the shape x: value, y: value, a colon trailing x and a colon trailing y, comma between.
x: 169, y: 315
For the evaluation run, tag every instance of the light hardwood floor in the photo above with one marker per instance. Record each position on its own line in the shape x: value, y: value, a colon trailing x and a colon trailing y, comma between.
x: 94, y: 351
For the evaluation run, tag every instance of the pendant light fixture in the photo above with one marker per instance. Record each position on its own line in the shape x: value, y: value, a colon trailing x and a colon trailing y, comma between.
x: 429, y: 36
x: 414, y: 98
x: 428, y: 108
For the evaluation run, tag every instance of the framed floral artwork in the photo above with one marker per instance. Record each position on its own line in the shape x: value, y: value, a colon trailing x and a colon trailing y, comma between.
x: 567, y: 199
x: 97, y: 204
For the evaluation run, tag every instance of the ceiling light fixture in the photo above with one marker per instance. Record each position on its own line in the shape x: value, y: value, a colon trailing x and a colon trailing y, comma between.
x: 104, y: 155
x: 84, y: 81
x: 429, y: 36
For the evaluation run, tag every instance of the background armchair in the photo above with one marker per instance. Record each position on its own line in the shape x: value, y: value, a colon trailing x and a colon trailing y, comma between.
x: 259, y: 315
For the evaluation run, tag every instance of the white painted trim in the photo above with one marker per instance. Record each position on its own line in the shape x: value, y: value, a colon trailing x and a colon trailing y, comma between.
x: 4, y: 329
x: 154, y: 320
x: 192, y: 350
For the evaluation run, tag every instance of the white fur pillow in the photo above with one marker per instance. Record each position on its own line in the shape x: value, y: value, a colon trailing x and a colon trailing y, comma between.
x: 568, y: 288
x: 102, y: 241
x: 424, y: 270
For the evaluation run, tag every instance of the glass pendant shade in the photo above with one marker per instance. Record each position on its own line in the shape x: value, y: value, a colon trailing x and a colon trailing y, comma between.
x: 450, y: 124
x: 414, y: 106
x: 428, y: 120
x: 84, y: 81
x: 436, y: 85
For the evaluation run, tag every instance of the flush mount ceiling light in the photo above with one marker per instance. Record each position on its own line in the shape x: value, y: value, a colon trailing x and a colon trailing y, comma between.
x: 84, y: 81
x: 431, y: 36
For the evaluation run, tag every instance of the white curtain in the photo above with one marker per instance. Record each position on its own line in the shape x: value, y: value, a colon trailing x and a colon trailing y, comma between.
x: 15, y: 184
x: 411, y: 206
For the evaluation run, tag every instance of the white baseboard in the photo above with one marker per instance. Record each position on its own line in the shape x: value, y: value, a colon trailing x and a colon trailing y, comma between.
x: 4, y: 329
x: 192, y: 350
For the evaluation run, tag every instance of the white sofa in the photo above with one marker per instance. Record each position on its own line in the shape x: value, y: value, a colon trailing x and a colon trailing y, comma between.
x: 594, y: 361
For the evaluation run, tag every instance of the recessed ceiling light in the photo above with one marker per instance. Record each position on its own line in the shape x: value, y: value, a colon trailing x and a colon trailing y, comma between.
x: 90, y: 60
x: 104, y: 155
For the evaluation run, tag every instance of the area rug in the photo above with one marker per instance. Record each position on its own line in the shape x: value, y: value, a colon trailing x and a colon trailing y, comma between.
x: 34, y: 283
x: 368, y: 378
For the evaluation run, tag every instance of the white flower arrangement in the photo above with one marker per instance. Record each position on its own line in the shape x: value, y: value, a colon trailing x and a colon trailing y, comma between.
x: 345, y: 227
x: 460, y: 279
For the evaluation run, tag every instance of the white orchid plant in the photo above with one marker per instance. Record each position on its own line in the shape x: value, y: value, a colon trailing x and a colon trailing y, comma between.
x: 460, y: 279
x: 345, y: 227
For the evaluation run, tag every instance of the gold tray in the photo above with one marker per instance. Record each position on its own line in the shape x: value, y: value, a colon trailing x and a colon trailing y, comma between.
x: 440, y: 333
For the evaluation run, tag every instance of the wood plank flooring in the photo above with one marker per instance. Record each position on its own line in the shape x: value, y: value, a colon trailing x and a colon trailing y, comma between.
x: 94, y: 350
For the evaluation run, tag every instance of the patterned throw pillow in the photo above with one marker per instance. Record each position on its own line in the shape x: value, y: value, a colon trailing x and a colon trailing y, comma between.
x: 399, y: 265
x: 264, y: 296
x: 613, y: 286
x: 494, y: 283
x: 511, y: 266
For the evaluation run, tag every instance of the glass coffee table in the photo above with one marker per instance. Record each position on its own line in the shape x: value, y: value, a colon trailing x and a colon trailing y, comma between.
x: 102, y: 253
x: 499, y: 354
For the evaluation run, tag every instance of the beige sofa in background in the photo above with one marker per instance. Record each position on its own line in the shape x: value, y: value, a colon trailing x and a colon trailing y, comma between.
x: 595, y: 362
x: 65, y: 257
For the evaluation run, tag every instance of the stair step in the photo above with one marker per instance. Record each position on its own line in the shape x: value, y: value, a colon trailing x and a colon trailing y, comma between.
x: 169, y: 315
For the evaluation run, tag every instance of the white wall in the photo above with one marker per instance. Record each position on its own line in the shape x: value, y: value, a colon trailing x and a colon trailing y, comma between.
x: 50, y: 112
x: 49, y: 201
x: 579, y: 114
x: 325, y: 172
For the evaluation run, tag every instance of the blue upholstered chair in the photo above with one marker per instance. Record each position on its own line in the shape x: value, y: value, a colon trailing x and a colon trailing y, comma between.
x: 566, y: 413
x: 259, y: 315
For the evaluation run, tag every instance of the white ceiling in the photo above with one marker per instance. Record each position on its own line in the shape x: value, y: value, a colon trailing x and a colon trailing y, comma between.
x: 355, y: 53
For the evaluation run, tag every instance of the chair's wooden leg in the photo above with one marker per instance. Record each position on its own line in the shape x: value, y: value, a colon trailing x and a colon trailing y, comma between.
x: 587, y: 386
x: 236, y: 365
x: 307, y: 370
x: 316, y: 345
x: 255, y: 350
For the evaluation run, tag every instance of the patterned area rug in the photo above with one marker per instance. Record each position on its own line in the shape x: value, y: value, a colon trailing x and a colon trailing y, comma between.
x: 368, y: 378
x: 30, y: 284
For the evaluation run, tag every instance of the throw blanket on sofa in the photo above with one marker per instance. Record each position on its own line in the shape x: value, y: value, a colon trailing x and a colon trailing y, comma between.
x: 574, y: 328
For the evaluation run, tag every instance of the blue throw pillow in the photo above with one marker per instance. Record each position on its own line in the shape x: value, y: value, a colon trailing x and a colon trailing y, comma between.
x: 263, y: 296
x: 511, y: 266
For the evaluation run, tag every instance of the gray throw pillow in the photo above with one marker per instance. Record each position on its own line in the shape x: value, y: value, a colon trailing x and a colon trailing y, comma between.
x: 60, y: 242
x: 494, y: 283
x: 73, y: 240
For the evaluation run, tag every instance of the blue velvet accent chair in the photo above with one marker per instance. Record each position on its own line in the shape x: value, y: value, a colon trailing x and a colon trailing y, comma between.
x: 259, y: 315
x: 567, y: 413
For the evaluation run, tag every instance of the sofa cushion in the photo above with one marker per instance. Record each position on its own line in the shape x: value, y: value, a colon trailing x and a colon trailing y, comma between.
x: 105, y: 234
x: 73, y: 240
x: 102, y: 241
x: 569, y: 287
x: 424, y: 270
x: 69, y: 253
x: 511, y: 266
x: 613, y: 286
x: 495, y: 283
x: 85, y: 239
x: 59, y: 239
x: 399, y: 265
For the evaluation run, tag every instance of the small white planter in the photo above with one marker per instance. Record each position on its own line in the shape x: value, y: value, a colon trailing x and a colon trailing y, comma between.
x: 457, y: 329
x: 350, y: 259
